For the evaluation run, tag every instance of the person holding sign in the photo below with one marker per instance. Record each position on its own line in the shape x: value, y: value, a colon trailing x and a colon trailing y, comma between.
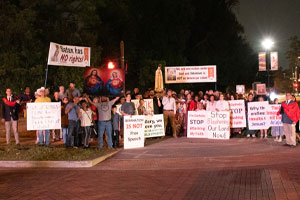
x: 261, y: 99
x: 222, y: 105
x: 211, y: 105
x: 277, y: 131
x: 290, y: 115
x: 43, y: 99
x: 169, y: 104
x: 249, y: 132
x: 104, y: 118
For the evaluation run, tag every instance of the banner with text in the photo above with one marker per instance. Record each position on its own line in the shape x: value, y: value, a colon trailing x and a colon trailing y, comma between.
x: 257, y: 115
x: 43, y: 116
x: 148, y: 104
x: 191, y: 74
x: 134, y: 131
x: 274, y: 119
x: 238, y: 116
x: 154, y: 126
x: 218, y: 125
x: 196, y: 126
x: 66, y: 55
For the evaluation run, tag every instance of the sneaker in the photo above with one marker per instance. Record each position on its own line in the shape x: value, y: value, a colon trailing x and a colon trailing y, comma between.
x: 266, y: 137
x: 279, y: 140
x: 253, y: 136
x: 248, y: 135
x: 276, y: 140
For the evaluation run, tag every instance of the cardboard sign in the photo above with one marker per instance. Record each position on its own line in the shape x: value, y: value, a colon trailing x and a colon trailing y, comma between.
x: 238, y: 116
x: 191, y: 74
x: 257, y: 115
x: 274, y: 119
x: 240, y: 89
x: 66, y: 55
x: 43, y: 116
x: 134, y: 131
x: 196, y: 126
x: 148, y: 104
x: 154, y: 126
x: 218, y: 125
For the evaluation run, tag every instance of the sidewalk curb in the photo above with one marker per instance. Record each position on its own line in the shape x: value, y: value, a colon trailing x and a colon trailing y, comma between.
x: 56, y: 164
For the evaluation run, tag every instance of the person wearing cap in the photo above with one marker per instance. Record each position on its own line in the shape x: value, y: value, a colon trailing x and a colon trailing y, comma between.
x: 43, y: 99
x: 72, y: 92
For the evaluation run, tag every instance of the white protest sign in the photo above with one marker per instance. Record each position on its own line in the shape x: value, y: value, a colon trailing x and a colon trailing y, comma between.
x: 274, y: 119
x: 196, y: 125
x: 238, y: 115
x: 66, y: 55
x: 148, y: 104
x: 43, y: 116
x: 191, y: 74
x: 257, y: 115
x: 218, y: 125
x: 154, y: 126
x: 134, y: 131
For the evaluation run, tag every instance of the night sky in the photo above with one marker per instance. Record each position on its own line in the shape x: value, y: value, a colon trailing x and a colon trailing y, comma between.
x: 279, y: 19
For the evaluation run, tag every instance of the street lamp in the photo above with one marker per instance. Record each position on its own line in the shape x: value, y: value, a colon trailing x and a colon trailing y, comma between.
x: 267, y: 45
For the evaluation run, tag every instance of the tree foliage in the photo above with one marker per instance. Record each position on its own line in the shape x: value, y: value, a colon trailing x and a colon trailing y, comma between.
x: 170, y: 32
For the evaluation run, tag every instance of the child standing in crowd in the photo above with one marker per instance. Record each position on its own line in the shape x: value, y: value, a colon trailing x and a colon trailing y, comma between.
x: 85, y: 115
x: 261, y: 99
x: 200, y: 106
x: 64, y: 119
x: 116, y: 122
x: 277, y: 131
x: 141, y: 109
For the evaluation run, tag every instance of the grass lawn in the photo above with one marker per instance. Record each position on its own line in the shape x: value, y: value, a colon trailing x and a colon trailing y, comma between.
x: 56, y: 153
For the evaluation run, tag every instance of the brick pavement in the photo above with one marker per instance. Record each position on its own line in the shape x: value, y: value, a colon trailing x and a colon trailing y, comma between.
x: 172, y: 169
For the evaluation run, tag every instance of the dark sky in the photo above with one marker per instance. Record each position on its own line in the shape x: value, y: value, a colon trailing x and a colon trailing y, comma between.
x: 279, y: 19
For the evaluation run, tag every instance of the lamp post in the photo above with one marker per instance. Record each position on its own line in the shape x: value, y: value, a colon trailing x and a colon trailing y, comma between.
x: 267, y: 45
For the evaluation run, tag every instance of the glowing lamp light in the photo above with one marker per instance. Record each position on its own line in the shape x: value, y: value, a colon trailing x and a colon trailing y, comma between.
x: 110, y: 65
x: 273, y: 96
x: 267, y: 43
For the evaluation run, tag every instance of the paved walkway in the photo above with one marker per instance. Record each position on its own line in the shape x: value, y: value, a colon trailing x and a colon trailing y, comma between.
x: 173, y: 169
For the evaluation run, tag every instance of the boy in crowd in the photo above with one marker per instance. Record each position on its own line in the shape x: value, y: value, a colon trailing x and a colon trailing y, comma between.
x: 116, y: 119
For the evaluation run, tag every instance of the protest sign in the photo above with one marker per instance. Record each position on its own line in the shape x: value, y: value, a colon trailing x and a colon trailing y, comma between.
x: 43, y: 116
x: 148, y: 104
x: 240, y: 89
x: 257, y: 115
x: 66, y: 55
x: 191, y: 74
x: 134, y: 131
x: 197, y: 122
x: 103, y: 81
x: 218, y: 125
x: 261, y: 89
x: 154, y: 126
x: 238, y: 116
x: 273, y: 118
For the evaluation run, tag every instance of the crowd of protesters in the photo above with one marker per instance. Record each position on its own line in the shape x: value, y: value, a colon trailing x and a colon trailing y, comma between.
x: 83, y: 119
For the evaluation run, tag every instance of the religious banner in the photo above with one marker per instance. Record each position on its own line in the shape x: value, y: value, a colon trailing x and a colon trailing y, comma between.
x: 43, y: 116
x: 134, y: 131
x: 191, y: 74
x: 238, y: 116
x: 218, y: 125
x: 154, y: 126
x: 103, y: 81
x: 262, y: 61
x: 197, y: 122
x: 66, y: 55
x: 148, y: 104
x: 274, y: 119
x: 274, y: 60
x: 261, y: 89
x: 240, y: 89
x: 257, y: 115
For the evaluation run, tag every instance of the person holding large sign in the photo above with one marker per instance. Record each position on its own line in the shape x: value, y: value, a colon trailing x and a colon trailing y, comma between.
x: 43, y: 99
x: 249, y: 132
x: 290, y: 115
x: 262, y: 131
x: 276, y: 129
x: 169, y: 111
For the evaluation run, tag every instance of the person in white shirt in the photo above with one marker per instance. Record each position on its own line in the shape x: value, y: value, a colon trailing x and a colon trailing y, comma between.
x: 222, y: 105
x: 211, y: 105
x: 169, y: 104
x: 85, y: 115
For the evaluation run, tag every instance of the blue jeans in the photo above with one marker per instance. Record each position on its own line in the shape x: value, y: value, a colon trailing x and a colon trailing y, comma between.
x: 102, y: 126
x: 41, y: 137
x: 65, y: 133
x: 73, y: 130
